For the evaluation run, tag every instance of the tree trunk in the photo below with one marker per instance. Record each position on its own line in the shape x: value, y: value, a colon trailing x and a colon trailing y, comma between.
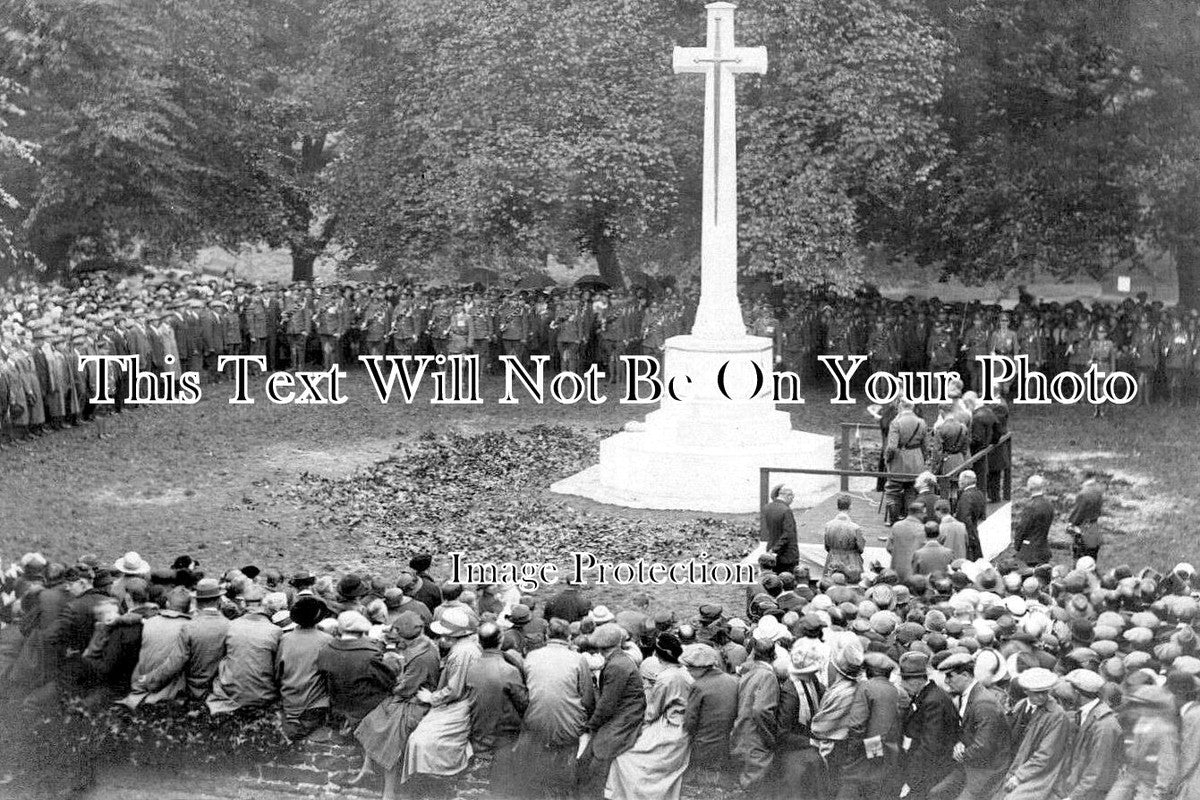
x: 303, y: 257
x: 56, y: 255
x: 606, y: 258
x: 1187, y: 268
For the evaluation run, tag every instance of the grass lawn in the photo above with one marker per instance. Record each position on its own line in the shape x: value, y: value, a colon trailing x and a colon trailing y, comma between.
x: 234, y: 485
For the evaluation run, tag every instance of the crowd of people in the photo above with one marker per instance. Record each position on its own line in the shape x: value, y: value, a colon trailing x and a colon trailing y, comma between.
x: 177, y: 321
x: 977, y: 680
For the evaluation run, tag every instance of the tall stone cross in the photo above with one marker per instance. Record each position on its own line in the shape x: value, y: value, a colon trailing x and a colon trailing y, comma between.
x: 718, y: 315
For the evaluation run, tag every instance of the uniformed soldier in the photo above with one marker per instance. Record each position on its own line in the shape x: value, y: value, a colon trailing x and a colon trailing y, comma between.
x: 1032, y: 341
x: 439, y: 322
x: 977, y: 341
x: 331, y: 320
x: 406, y: 326
x: 254, y: 312
x: 460, y: 331
x: 1144, y: 352
x: 1102, y: 352
x: 949, y: 441
x: 1178, y: 352
x: 1077, y: 348
x: 904, y: 454
x: 1004, y: 342
x: 512, y: 323
x: 212, y: 328
x: 483, y: 321
x: 376, y: 323
x: 569, y: 327
x: 942, y: 344
x: 297, y: 323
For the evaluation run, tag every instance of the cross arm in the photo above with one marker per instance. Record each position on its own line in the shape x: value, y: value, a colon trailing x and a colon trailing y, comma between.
x: 688, y: 59
x: 748, y: 59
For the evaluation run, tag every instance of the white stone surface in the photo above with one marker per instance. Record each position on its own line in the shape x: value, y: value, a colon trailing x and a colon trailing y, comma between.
x: 702, y: 449
x: 704, y: 452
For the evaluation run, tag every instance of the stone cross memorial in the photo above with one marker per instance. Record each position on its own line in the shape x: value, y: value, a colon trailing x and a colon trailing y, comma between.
x: 717, y: 424
x: 719, y: 316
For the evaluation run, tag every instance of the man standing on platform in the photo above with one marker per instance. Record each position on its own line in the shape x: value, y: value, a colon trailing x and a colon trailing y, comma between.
x: 844, y: 543
x: 779, y: 529
x: 906, y: 537
x: 1032, y: 533
x: 1084, y: 520
x: 905, y: 456
x: 970, y: 511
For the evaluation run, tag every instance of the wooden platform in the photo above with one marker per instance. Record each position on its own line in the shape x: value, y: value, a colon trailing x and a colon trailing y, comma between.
x: 865, y: 509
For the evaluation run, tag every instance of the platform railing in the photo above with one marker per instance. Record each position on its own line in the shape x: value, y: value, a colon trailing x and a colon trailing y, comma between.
x: 947, y: 483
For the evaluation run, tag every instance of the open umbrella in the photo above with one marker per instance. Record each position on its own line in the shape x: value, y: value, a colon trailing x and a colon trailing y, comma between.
x: 593, y: 281
x: 536, y: 280
x: 480, y: 275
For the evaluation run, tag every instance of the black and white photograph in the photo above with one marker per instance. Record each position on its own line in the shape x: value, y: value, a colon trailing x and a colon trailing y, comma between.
x: 599, y: 399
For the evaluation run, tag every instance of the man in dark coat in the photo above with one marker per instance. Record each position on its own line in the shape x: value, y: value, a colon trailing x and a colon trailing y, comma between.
x: 970, y: 511
x: 617, y: 719
x: 711, y: 710
x: 779, y: 529
x: 983, y: 748
x: 426, y: 589
x: 498, y: 702
x: 874, y: 720
x: 756, y: 727
x: 1001, y: 457
x: 905, y: 538
x: 984, y: 432
x: 1084, y: 520
x: 113, y: 663
x: 71, y: 631
x: 1031, y: 533
x: 569, y: 605
x: 355, y: 672
x: 933, y: 557
x: 931, y: 724
x: 1096, y: 753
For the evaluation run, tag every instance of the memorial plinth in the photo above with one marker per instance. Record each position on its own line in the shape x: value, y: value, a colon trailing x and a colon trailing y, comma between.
x: 703, y: 451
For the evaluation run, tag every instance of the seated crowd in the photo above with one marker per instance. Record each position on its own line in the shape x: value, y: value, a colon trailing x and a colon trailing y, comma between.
x: 985, y: 680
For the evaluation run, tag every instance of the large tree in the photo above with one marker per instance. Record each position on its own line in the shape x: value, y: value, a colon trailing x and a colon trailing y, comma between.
x: 168, y: 124
x: 477, y: 126
x: 840, y: 132
x: 1074, y: 131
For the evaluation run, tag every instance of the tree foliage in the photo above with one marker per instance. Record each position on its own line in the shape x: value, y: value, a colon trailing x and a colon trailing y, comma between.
x: 990, y: 138
x: 482, y: 126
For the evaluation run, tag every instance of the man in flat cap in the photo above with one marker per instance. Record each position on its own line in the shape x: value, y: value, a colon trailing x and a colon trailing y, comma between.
x: 1095, y: 755
x: 931, y: 725
x: 199, y: 648
x: 617, y: 719
x: 874, y: 723
x: 1045, y: 740
x: 983, y: 746
x: 561, y: 699
x: 755, y: 728
x: 711, y: 711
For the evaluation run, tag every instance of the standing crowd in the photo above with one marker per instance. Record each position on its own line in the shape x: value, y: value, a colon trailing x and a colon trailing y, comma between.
x: 177, y: 321
x: 979, y: 680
